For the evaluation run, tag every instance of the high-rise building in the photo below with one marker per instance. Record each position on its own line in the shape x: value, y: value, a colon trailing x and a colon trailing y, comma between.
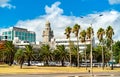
x: 19, y: 33
x: 47, y: 33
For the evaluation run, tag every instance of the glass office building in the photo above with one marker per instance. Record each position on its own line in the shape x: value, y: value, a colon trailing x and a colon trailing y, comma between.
x: 21, y: 33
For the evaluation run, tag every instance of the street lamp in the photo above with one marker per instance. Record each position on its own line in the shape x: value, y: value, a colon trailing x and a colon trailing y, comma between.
x: 91, y: 54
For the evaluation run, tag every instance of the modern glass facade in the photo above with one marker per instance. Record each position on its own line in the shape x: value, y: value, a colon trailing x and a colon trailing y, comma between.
x: 21, y: 33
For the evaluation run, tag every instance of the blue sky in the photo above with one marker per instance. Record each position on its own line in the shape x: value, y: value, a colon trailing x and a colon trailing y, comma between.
x: 29, y: 13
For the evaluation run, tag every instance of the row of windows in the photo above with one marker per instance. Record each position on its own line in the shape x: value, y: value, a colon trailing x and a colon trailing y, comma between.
x: 24, y: 34
x: 32, y: 39
x: 67, y: 41
x: 7, y: 33
x: 17, y: 33
x: 21, y: 35
x: 64, y: 41
x: 79, y: 45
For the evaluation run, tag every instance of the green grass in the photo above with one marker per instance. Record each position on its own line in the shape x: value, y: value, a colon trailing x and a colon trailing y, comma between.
x: 5, y: 69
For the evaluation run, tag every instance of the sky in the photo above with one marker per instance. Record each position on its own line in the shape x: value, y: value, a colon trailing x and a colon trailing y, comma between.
x: 33, y: 14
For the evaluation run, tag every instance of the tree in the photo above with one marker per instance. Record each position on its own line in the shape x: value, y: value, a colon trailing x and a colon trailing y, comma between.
x: 116, y: 49
x: 2, y: 51
x: 109, y: 35
x: 45, y: 53
x: 74, y: 53
x: 75, y: 30
x: 20, y: 57
x: 9, y: 52
x: 98, y: 53
x: 88, y: 32
x: 83, y: 36
x: 83, y: 40
x: 67, y: 33
x: 88, y: 51
x: 29, y: 53
x: 62, y: 53
x: 100, y: 34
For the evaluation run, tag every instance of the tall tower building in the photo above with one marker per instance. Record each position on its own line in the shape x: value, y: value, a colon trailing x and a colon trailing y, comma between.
x: 47, y: 33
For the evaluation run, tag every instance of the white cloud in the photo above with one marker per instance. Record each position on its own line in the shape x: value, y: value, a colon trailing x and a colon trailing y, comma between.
x: 6, y: 4
x: 59, y: 21
x: 114, y: 2
x: 111, y: 18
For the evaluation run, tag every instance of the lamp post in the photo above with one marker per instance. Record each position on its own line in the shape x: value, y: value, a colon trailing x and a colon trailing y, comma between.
x: 91, y: 53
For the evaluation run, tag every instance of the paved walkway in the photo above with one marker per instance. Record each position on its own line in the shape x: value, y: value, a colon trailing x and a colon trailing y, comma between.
x: 114, y: 74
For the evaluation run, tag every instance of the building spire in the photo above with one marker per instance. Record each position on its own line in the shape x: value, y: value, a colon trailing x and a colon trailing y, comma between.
x: 47, y: 33
x: 47, y: 24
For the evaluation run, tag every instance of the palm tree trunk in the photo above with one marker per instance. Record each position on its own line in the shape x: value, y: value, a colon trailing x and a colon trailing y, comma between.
x: 62, y: 62
x: 111, y: 56
x: 10, y: 60
x: 102, y: 59
x: 85, y: 57
x: 21, y: 66
x: 46, y: 62
x: 77, y: 52
x: 70, y: 51
x: 22, y: 61
x: 29, y: 61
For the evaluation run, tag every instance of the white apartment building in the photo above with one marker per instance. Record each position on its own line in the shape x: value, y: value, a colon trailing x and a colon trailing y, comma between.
x: 65, y: 42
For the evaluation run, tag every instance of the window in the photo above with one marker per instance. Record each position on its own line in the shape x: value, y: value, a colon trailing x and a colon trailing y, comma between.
x: 9, y: 32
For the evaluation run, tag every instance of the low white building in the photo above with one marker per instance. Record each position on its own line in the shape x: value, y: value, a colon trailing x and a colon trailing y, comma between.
x: 65, y: 42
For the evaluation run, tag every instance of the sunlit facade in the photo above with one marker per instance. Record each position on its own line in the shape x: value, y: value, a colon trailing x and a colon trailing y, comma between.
x: 20, y: 33
x: 65, y: 42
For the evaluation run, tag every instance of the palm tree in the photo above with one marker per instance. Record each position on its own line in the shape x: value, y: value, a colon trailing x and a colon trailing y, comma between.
x: 89, y: 34
x: 100, y: 34
x: 83, y: 39
x: 9, y: 52
x: 29, y: 53
x: 75, y: 30
x: 20, y: 57
x: 67, y: 33
x: 109, y: 35
x: 45, y: 53
x: 62, y: 53
x: 73, y: 53
x: 83, y: 36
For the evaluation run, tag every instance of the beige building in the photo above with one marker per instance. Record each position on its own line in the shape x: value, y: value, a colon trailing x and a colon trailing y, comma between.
x: 47, y: 33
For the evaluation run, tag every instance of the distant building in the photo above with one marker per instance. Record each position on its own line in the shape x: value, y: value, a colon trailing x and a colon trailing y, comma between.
x: 19, y: 35
x: 65, y: 42
x: 53, y: 42
x: 47, y: 33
